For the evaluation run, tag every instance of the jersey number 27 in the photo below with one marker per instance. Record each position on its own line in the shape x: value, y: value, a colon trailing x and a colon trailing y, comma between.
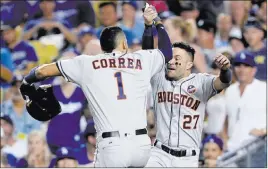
x: 121, y: 95
x: 188, y: 121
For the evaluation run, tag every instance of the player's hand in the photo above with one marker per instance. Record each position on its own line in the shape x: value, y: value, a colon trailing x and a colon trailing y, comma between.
x: 149, y: 15
x: 26, y: 89
x: 222, y: 62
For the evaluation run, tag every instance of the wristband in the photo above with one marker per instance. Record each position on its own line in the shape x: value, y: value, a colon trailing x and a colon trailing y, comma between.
x: 226, y: 76
x: 157, y: 19
x: 31, y: 77
x: 148, y: 26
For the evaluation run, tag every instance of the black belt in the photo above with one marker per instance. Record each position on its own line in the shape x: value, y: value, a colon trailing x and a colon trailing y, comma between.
x: 116, y: 133
x: 177, y: 153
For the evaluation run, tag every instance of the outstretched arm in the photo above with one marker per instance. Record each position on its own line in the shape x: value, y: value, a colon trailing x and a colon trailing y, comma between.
x: 71, y: 69
x: 42, y: 72
x: 164, y: 44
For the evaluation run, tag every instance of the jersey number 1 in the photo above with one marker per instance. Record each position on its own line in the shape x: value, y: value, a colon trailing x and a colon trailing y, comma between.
x: 121, y: 94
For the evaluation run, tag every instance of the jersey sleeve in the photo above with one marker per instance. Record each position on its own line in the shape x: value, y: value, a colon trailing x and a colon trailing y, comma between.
x: 208, y: 86
x: 156, y: 61
x: 72, y: 69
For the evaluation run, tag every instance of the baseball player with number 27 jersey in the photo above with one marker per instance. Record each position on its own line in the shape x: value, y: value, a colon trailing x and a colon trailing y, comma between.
x: 180, y: 98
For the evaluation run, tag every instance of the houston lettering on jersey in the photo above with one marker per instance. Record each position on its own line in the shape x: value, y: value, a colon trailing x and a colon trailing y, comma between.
x: 177, y: 98
x: 117, y: 63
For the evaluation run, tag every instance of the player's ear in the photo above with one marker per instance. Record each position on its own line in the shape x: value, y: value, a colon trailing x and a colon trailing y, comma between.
x: 189, y: 65
x: 125, y: 46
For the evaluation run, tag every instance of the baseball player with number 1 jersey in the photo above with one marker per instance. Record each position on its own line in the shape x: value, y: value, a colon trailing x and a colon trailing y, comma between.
x: 115, y: 84
x: 180, y: 98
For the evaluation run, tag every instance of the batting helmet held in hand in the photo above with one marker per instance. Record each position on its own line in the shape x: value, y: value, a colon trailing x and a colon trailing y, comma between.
x: 41, y: 103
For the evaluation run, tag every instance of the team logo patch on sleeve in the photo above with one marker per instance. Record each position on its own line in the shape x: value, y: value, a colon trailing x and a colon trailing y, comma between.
x: 191, y: 89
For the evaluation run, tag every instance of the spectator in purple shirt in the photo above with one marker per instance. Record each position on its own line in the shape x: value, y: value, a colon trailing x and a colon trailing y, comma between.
x: 71, y: 99
x: 22, y: 53
x: 49, y: 24
x: 76, y: 13
x: 254, y: 35
x: 13, y: 12
x: 33, y: 9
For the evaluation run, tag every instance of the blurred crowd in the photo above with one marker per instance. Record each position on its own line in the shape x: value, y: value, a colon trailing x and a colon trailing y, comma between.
x: 43, y: 31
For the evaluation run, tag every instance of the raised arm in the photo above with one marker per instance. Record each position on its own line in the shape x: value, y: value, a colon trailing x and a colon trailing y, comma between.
x: 225, y: 78
x: 148, y: 38
x: 164, y: 44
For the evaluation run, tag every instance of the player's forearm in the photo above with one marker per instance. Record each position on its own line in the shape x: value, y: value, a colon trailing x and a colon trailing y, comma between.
x: 40, y: 73
x: 164, y: 44
x: 224, y: 80
x: 148, y: 38
x: 226, y: 76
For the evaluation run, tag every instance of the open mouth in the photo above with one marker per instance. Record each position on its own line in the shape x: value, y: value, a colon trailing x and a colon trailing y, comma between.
x: 170, y: 68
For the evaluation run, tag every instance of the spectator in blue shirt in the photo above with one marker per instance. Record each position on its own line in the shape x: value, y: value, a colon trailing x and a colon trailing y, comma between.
x: 15, y: 108
x: 49, y: 24
x: 6, y: 66
x: 108, y: 17
x: 130, y: 20
x: 22, y: 53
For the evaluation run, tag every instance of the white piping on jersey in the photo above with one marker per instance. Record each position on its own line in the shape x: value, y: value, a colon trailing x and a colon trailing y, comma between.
x: 171, y: 116
x: 174, y: 83
x: 180, y: 110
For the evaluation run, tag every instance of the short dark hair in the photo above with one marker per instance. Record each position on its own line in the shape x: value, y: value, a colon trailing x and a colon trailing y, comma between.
x: 103, y: 4
x: 108, y: 38
x: 186, y: 47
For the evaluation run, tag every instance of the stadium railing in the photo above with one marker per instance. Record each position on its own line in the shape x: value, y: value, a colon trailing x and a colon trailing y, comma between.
x: 244, y: 151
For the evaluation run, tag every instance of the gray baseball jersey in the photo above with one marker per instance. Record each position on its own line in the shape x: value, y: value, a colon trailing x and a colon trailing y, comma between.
x: 179, y: 108
x: 115, y: 85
